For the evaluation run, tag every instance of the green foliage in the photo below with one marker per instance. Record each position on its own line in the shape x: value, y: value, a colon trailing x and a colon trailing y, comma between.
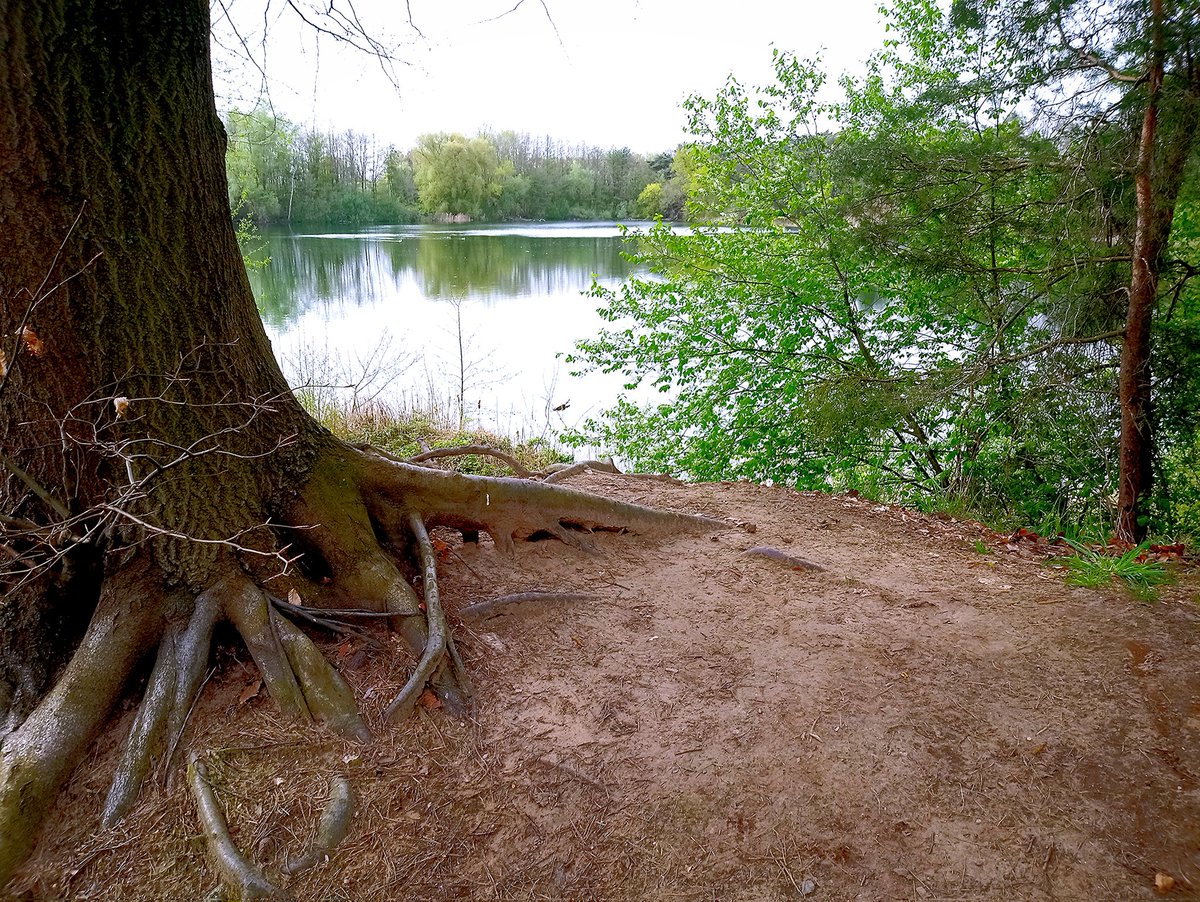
x: 456, y: 175
x: 280, y: 173
x: 650, y: 201
x: 908, y: 289
x: 1098, y: 569
x: 250, y: 241
x: 284, y: 173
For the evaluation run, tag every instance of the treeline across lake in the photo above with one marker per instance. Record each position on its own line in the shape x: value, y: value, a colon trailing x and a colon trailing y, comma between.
x: 282, y: 173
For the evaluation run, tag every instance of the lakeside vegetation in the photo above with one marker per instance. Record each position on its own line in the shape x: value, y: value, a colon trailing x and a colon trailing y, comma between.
x: 928, y: 293
x: 918, y: 286
x: 282, y: 173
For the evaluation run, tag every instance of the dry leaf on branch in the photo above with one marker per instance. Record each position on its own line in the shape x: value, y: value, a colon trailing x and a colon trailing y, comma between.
x: 32, y: 343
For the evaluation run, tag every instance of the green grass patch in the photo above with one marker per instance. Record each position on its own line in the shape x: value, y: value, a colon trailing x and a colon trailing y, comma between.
x: 1097, y: 569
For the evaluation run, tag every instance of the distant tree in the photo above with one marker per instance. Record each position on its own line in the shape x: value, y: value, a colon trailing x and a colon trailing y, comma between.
x: 456, y: 175
x: 650, y: 201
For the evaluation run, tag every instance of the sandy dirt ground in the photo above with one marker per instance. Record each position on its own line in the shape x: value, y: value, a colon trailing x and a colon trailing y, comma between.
x: 909, y: 718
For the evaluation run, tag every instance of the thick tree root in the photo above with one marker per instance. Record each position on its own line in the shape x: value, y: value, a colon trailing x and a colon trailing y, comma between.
x: 356, y: 510
x: 177, y: 674
x: 237, y: 872
x: 433, y: 658
x: 326, y: 694
x: 334, y: 825
x: 38, y: 757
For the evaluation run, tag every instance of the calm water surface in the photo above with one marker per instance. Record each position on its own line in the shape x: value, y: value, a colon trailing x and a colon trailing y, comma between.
x: 515, y: 289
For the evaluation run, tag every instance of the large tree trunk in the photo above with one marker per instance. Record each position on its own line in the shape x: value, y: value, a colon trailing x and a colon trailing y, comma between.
x: 156, y: 467
x: 139, y: 389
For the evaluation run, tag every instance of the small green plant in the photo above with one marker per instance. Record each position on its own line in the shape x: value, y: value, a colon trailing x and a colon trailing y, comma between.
x: 980, y: 548
x: 1097, y: 569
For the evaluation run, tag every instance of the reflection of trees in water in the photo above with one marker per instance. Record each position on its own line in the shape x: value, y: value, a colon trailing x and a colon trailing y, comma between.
x: 484, y: 267
x: 309, y: 272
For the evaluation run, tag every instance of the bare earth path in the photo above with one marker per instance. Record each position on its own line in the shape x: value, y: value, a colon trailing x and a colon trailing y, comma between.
x: 914, y: 721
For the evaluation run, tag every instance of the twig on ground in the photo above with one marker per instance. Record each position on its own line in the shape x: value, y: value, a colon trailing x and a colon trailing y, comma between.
x: 482, y: 610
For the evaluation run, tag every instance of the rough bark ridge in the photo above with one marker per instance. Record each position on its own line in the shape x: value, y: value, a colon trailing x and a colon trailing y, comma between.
x: 1164, y: 148
x: 156, y: 469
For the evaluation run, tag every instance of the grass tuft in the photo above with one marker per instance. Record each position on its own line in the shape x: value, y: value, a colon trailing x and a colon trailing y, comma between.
x: 1097, y: 569
x: 400, y: 432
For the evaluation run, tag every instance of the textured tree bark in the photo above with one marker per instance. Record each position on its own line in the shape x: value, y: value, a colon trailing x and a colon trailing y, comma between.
x: 119, y: 256
x: 1134, y: 383
x: 1164, y: 148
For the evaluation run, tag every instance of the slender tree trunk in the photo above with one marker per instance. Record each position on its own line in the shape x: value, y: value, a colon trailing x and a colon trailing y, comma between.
x: 1136, y: 461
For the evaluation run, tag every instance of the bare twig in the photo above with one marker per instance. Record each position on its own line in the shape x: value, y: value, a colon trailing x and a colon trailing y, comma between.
x: 483, y: 450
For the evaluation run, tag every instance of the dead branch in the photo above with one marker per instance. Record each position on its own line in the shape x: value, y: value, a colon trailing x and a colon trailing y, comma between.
x: 482, y: 450
x: 483, y: 610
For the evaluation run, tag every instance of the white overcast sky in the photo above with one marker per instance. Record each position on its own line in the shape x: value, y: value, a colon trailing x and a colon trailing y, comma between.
x: 604, y: 72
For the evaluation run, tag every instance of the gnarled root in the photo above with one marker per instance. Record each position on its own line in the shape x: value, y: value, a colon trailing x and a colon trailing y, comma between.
x: 335, y: 824
x: 177, y: 674
x: 356, y: 510
x: 434, y: 658
x: 491, y: 607
x: 37, y: 757
x: 237, y: 872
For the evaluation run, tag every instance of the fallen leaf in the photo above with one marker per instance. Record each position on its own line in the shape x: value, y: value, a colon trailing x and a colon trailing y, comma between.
x: 344, y: 650
x: 32, y: 343
x: 1164, y: 883
x: 294, y: 598
x: 251, y: 690
x: 429, y: 700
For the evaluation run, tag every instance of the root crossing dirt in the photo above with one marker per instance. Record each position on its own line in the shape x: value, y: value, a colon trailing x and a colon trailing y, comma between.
x: 898, y: 716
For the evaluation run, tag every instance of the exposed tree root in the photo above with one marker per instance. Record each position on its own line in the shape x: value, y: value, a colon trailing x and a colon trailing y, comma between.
x: 482, y: 610
x: 482, y: 450
x: 558, y: 474
x: 335, y: 824
x: 177, y: 674
x: 354, y: 518
x: 41, y: 754
x: 791, y: 560
x: 433, y: 658
x: 237, y: 872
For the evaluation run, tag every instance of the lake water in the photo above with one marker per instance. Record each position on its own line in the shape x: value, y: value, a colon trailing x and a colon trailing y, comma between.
x: 401, y: 300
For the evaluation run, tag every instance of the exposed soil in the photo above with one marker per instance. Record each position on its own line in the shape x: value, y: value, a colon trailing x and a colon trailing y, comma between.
x: 917, y: 720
